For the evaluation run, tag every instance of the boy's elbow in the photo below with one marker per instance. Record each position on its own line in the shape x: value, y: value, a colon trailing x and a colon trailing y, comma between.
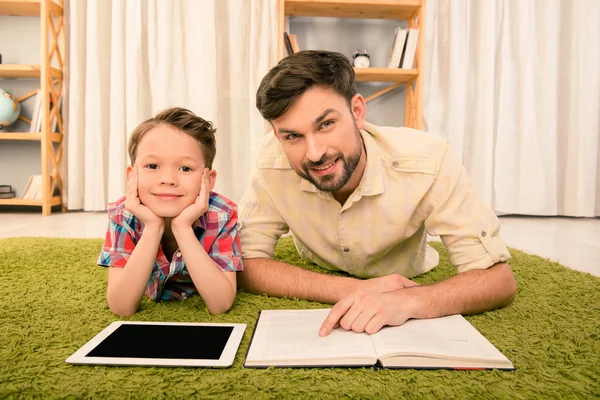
x: 121, y: 310
x: 219, y: 309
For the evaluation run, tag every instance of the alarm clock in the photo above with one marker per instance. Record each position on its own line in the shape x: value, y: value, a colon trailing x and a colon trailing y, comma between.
x: 361, y: 59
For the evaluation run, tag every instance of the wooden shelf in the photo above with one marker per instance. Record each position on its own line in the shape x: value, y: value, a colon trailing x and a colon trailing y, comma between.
x: 25, y: 71
x: 56, y: 200
x: 380, y: 9
x: 27, y: 8
x: 52, y: 39
x: 412, y: 11
x: 397, y: 75
x: 55, y: 137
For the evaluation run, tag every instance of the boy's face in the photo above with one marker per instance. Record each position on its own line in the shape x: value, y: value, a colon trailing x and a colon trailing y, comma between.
x: 321, y: 139
x: 170, y: 166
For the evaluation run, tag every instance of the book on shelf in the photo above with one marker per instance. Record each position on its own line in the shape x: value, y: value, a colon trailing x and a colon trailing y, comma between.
x: 33, y: 190
x: 58, y: 111
x: 5, y: 188
x: 397, y: 47
x: 288, y: 44
x: 290, y: 338
x: 35, y: 113
x: 6, y: 192
x: 410, y: 49
x: 294, y: 43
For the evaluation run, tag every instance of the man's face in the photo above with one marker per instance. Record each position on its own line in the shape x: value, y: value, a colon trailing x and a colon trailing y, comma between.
x: 170, y: 166
x: 321, y: 139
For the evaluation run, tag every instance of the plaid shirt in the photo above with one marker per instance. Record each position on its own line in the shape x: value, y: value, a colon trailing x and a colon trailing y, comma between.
x: 216, y: 230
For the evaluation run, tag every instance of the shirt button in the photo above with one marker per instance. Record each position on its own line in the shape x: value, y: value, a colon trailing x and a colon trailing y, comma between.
x: 178, y: 254
x: 346, y: 250
x: 183, y: 294
x: 395, y: 164
x: 483, y: 233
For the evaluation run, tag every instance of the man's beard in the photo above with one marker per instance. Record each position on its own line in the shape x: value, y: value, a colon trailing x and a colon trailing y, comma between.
x: 329, y: 183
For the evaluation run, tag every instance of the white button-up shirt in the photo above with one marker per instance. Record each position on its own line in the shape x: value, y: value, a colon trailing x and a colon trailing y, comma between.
x: 413, y: 184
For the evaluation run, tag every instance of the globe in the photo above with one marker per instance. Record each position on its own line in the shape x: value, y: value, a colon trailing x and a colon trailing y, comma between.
x: 10, y: 109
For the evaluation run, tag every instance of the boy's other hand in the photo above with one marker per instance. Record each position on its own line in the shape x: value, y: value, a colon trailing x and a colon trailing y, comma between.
x: 135, y: 206
x: 195, y: 210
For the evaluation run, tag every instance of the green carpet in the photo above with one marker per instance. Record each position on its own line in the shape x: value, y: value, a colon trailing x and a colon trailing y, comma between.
x: 52, y: 302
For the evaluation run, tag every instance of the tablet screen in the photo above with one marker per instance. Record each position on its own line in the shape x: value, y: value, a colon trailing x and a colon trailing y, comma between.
x: 164, y: 341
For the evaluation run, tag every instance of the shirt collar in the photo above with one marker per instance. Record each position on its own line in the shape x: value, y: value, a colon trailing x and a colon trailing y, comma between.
x: 372, y: 180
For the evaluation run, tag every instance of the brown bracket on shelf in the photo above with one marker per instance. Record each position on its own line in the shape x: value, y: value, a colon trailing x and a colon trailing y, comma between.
x: 27, y: 95
x: 383, y: 91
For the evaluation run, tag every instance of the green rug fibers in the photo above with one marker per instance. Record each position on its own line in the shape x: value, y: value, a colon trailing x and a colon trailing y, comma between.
x: 52, y: 302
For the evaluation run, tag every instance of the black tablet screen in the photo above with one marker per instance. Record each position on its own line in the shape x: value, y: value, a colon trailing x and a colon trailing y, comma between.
x: 164, y: 341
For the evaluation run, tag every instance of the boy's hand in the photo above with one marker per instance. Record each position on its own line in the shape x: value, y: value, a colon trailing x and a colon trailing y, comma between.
x: 134, y: 205
x: 191, y: 213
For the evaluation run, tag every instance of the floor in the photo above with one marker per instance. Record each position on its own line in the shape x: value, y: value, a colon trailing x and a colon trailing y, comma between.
x: 574, y: 242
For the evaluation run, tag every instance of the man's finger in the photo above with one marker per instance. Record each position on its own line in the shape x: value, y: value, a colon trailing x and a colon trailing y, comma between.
x: 351, y: 316
x: 360, y: 322
x: 375, y: 324
x: 337, y: 311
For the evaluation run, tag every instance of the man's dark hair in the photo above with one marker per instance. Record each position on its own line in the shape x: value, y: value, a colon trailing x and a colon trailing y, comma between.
x: 297, y: 73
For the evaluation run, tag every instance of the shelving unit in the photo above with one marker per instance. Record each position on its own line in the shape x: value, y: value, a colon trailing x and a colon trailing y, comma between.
x: 49, y: 72
x: 412, y: 11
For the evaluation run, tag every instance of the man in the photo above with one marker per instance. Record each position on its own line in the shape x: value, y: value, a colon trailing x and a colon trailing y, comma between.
x: 362, y: 198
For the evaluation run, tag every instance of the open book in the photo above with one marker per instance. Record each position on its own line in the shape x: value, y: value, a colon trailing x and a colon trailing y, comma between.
x: 290, y: 338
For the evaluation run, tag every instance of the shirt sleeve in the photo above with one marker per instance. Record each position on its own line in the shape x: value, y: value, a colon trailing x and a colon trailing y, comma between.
x: 261, y: 222
x: 226, y: 249
x: 468, y: 228
x: 118, y: 244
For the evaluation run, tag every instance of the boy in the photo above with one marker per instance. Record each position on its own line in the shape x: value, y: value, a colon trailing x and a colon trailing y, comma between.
x: 170, y: 236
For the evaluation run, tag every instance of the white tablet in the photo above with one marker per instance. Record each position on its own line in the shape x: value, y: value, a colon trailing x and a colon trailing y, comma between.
x: 168, y: 344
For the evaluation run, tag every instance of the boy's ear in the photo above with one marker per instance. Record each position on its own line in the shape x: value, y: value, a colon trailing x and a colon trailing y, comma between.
x: 212, y: 179
x: 129, y: 171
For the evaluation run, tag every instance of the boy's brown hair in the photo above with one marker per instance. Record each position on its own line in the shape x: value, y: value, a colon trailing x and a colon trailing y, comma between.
x: 297, y: 73
x: 184, y: 120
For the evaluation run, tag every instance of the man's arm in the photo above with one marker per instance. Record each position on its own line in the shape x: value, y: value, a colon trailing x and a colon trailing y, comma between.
x: 276, y: 278
x: 471, y: 292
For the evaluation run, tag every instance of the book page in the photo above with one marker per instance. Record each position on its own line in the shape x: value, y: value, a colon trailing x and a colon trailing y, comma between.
x: 451, y: 337
x: 293, y: 335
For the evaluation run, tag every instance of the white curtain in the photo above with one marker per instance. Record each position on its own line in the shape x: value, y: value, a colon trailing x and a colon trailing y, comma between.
x: 515, y: 87
x: 128, y: 59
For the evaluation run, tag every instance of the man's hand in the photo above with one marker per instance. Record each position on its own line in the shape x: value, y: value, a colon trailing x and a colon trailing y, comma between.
x: 389, y: 283
x: 364, y: 311
x: 369, y: 308
x: 191, y: 213
x: 135, y: 206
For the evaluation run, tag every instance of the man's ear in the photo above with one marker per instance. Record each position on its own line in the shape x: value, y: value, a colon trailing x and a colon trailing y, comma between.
x: 212, y: 179
x: 359, y: 110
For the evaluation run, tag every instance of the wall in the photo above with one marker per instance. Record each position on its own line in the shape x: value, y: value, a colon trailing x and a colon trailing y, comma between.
x: 346, y: 35
x: 19, y: 44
